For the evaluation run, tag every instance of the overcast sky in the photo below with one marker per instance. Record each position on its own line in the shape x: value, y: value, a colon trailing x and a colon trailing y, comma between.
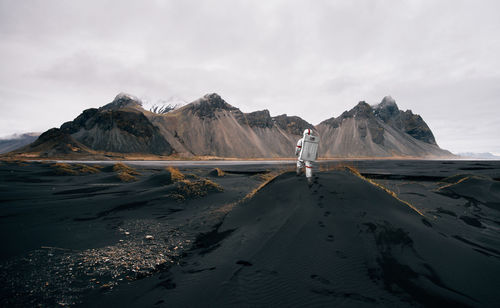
x: 313, y: 59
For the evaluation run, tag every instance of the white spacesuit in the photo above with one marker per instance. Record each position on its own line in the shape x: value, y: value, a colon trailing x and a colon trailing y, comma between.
x: 307, y: 149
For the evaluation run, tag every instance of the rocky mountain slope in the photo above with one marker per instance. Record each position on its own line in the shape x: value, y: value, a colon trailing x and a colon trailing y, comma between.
x: 381, y: 130
x: 119, y: 126
x: 210, y: 126
x: 410, y: 123
x: 54, y: 143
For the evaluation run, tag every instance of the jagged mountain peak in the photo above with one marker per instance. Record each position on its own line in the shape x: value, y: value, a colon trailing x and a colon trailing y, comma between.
x: 362, y: 109
x: 410, y: 123
x: 260, y: 118
x: 210, y: 98
x: 125, y: 96
x: 292, y: 124
x: 388, y: 101
x: 123, y: 100
x: 386, y: 109
x: 206, y: 106
x: 264, y: 113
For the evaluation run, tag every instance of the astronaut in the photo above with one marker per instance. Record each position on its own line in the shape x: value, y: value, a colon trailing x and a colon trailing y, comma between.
x: 307, y: 150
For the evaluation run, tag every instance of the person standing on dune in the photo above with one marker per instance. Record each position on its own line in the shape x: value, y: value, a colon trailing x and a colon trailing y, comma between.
x: 307, y: 150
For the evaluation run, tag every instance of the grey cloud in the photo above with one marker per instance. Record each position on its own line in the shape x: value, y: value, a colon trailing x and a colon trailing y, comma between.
x: 314, y: 59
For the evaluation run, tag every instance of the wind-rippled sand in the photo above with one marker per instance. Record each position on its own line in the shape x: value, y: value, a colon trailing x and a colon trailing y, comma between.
x: 366, y: 233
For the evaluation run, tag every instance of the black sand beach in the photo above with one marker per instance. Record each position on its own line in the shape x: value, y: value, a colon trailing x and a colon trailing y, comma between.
x: 366, y: 233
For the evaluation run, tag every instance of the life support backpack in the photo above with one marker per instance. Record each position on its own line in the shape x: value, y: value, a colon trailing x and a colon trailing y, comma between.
x: 310, y: 145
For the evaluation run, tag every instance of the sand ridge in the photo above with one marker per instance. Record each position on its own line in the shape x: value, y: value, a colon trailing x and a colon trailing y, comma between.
x: 328, y: 245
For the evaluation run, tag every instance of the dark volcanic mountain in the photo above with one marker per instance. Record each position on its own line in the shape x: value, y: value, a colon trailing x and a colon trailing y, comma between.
x: 410, y: 123
x: 119, y: 126
x: 381, y: 130
x: 55, y: 142
x: 210, y: 126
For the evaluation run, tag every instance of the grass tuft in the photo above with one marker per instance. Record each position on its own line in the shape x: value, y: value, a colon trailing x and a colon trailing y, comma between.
x: 121, y: 167
x: 125, y: 173
x: 187, y: 189
x: 175, y: 174
x: 126, y: 177
x: 64, y: 169
x: 217, y: 172
x: 87, y: 169
x: 265, y: 177
x: 74, y: 169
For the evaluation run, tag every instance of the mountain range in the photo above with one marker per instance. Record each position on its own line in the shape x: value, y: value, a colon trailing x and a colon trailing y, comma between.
x: 13, y: 142
x: 211, y: 127
x: 485, y: 155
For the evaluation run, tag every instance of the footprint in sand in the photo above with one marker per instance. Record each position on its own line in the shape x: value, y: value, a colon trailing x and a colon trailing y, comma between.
x: 244, y: 263
x: 318, y: 278
x: 326, y: 214
x: 321, y: 224
x: 330, y: 238
x: 340, y: 254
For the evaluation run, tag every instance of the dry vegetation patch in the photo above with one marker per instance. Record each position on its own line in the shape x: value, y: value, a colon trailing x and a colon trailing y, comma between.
x: 125, y: 173
x: 190, y: 186
x: 20, y: 163
x: 64, y: 169
x: 217, y: 172
x: 74, y: 169
x: 190, y: 189
x: 175, y: 174
x: 87, y: 169
x: 264, y: 176
x: 121, y: 167
x: 126, y: 177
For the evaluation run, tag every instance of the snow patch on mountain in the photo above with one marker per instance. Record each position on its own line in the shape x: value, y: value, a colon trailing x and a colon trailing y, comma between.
x: 165, y: 106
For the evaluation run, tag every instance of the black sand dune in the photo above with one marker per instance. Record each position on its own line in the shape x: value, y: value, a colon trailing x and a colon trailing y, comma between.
x: 341, y: 242
x: 344, y: 241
